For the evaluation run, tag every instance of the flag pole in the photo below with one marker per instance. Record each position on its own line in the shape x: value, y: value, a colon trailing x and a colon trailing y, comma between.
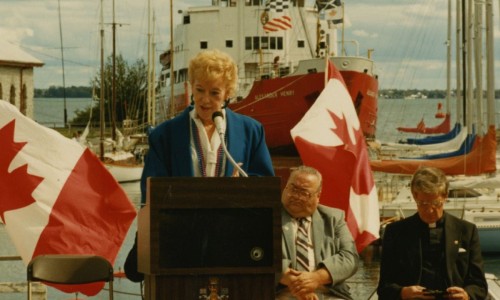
x: 326, y: 65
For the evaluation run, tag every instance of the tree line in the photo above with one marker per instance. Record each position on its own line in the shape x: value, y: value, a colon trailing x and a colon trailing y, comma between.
x: 61, y: 92
x: 430, y: 94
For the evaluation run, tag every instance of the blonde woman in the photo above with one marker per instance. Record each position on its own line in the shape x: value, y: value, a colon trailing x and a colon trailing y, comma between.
x: 188, y: 145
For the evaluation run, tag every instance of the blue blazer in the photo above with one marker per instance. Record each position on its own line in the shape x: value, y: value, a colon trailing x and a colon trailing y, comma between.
x: 334, y: 247
x: 169, y: 152
x: 401, y: 263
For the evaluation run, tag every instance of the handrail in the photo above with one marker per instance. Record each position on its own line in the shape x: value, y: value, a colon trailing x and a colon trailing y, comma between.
x: 9, y: 257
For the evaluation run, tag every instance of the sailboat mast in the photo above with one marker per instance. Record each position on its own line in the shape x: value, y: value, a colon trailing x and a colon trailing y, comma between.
x: 172, y: 79
x: 113, y: 81
x: 153, y: 74
x: 149, y: 102
x: 468, y: 70
x: 464, y: 61
x: 490, y: 64
x: 478, y: 66
x: 101, y: 100
x: 62, y: 62
x: 458, y: 94
x: 448, y: 61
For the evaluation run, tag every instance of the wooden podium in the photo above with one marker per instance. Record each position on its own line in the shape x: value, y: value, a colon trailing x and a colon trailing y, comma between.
x: 203, y: 235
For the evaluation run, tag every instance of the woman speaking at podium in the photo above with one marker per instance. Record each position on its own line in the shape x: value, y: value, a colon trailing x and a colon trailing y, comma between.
x: 190, y: 144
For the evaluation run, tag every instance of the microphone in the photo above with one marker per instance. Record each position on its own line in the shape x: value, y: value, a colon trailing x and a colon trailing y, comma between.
x: 218, y: 119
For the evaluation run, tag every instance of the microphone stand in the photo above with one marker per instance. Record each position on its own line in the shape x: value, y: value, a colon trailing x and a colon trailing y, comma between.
x: 218, y: 117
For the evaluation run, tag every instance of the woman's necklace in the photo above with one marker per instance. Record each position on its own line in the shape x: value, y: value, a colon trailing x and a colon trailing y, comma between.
x: 200, y: 153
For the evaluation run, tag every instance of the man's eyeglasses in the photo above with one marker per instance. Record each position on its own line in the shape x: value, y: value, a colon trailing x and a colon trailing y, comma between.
x: 433, y: 203
x: 299, y: 193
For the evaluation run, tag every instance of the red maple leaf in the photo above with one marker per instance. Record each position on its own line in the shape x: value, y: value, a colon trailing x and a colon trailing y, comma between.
x: 362, y: 182
x: 15, y: 187
x: 342, y: 131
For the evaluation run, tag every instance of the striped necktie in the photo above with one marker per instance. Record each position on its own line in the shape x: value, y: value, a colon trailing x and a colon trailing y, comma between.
x: 302, y: 245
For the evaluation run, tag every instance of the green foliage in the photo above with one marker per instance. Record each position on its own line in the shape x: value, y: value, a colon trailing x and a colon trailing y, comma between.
x: 130, y: 92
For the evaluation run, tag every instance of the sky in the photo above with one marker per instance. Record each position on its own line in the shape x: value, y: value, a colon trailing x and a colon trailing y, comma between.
x: 408, y: 36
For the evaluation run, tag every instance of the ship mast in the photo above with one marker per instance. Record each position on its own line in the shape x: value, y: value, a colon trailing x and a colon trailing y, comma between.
x: 151, y: 96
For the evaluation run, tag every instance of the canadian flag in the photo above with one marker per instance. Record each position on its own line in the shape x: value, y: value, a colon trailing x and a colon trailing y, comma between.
x: 329, y: 138
x: 57, y: 197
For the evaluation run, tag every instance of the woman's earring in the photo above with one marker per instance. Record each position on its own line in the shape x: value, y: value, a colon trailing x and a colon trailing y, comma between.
x: 192, y: 99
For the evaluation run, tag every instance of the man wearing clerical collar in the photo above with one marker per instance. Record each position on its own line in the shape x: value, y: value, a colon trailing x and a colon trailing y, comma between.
x: 432, y: 254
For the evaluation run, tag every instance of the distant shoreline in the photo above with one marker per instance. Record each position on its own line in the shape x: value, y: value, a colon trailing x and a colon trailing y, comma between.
x: 86, y: 92
x: 60, y: 92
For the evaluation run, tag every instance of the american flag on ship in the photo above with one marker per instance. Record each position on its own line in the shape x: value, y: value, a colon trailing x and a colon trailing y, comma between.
x: 274, y: 17
x: 332, y: 11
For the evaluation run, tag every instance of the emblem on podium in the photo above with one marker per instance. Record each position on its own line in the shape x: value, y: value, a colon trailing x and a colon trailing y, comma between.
x: 213, y: 291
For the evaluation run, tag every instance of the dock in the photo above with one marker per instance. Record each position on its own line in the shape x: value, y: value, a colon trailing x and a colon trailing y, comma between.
x: 39, y: 290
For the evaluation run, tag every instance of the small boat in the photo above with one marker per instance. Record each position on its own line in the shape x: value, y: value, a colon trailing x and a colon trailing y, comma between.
x: 124, y: 166
x: 281, y: 73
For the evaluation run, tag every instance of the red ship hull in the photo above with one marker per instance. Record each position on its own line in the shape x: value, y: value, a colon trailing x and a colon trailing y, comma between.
x: 363, y: 89
x: 280, y: 103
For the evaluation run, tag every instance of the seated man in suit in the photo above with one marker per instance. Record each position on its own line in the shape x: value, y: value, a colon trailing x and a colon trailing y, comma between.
x: 319, y: 253
x: 432, y: 254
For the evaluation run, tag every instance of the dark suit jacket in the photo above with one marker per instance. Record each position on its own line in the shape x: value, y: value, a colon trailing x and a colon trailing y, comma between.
x: 401, y: 257
x: 334, y: 247
x: 169, y: 148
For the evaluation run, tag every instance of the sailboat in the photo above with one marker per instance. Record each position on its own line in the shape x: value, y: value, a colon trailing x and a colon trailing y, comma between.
x: 124, y: 165
x: 281, y: 73
x: 476, y: 161
x: 477, y: 153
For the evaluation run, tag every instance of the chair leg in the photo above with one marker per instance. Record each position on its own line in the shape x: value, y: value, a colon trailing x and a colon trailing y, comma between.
x: 111, y: 290
x: 29, y: 290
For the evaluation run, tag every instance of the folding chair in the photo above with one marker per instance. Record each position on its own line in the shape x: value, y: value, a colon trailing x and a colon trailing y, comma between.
x: 70, y: 269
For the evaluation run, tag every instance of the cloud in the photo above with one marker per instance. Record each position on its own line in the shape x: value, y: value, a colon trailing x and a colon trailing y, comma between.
x: 363, y: 33
x: 34, y: 25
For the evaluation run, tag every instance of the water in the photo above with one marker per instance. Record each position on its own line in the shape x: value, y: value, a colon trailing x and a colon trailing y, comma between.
x: 395, y: 113
x: 50, y: 111
x: 363, y: 283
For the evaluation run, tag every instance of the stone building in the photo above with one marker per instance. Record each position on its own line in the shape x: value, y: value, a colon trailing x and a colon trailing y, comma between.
x: 16, y: 77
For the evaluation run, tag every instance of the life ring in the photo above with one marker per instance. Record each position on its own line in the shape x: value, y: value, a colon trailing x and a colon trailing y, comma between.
x: 264, y: 18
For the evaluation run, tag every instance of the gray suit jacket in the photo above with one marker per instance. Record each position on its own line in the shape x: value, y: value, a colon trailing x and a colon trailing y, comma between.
x: 334, y: 247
